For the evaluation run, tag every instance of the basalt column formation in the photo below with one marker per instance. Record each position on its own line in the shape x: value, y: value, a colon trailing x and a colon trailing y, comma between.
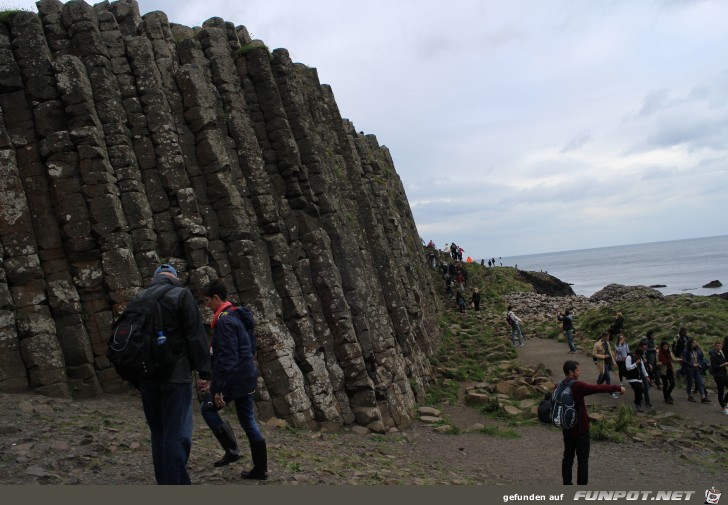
x: 127, y: 140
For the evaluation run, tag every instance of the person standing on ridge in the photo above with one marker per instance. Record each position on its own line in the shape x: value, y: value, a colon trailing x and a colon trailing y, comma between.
x: 167, y: 397
x: 568, y: 326
x: 476, y: 299
x: 234, y: 373
x: 617, y: 325
x: 576, y: 439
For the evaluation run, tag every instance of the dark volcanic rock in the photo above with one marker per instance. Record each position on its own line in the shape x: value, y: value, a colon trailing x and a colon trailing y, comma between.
x: 125, y: 142
x: 713, y: 284
x: 617, y: 292
x: 546, y: 284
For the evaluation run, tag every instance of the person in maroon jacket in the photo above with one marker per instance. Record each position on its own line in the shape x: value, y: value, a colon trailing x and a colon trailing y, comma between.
x: 576, y: 439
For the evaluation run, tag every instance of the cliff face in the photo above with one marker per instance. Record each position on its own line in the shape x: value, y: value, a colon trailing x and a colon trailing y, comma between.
x: 126, y: 140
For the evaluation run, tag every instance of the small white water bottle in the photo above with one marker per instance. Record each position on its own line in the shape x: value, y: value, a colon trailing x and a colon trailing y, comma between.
x: 161, y: 338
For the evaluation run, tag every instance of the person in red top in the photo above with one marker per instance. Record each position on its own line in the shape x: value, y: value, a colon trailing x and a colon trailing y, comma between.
x: 576, y: 439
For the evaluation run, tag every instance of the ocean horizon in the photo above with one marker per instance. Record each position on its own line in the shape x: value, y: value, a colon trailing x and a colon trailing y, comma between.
x: 676, y: 266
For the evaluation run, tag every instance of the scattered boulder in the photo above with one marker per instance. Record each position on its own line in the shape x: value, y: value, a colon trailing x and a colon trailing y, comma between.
x: 713, y: 284
x: 617, y: 292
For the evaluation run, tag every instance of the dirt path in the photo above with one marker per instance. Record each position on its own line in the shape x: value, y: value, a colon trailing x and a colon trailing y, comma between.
x: 553, y: 354
x: 105, y: 441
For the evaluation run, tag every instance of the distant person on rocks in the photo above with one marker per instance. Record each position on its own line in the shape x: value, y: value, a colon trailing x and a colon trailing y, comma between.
x: 515, y: 323
x: 694, y: 364
x: 664, y: 365
x: 234, y: 378
x: 576, y: 439
x: 621, y: 349
x: 469, y: 260
x: 482, y: 262
x: 443, y: 268
x: 567, y: 321
x: 489, y: 264
x: 604, y: 359
x: 476, y: 300
x: 460, y: 253
x: 719, y: 368
x: 636, y: 372
x: 448, y: 284
x: 493, y: 260
x: 617, y: 325
x: 167, y: 397
x: 460, y: 299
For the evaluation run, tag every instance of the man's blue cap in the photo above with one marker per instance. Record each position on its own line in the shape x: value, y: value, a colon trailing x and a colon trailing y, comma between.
x: 165, y: 268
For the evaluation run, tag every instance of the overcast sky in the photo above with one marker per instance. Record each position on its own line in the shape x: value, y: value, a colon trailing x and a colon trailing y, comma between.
x: 523, y: 126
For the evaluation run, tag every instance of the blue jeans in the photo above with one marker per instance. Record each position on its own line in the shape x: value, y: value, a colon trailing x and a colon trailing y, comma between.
x: 515, y: 328
x: 168, y: 409
x: 244, y: 408
x: 570, y: 339
x: 693, y: 374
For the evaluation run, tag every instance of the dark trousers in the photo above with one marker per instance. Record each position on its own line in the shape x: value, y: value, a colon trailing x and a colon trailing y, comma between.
x: 721, y: 384
x: 168, y: 409
x: 637, y: 388
x: 668, y: 384
x: 580, y: 447
x: 622, y: 370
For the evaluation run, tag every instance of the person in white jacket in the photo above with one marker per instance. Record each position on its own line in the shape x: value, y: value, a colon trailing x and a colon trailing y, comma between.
x: 636, y: 372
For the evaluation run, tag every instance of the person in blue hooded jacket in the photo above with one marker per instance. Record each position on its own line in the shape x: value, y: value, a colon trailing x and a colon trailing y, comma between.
x: 234, y: 379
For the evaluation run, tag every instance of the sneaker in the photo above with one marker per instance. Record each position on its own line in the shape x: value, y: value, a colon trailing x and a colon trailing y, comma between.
x: 638, y: 408
x: 691, y: 399
x: 572, y: 352
x: 705, y: 400
x: 725, y: 411
x: 520, y: 345
x: 614, y: 395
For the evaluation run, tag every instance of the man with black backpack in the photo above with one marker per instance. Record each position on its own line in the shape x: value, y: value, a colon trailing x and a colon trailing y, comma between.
x: 167, y: 395
x: 576, y: 438
x: 234, y: 379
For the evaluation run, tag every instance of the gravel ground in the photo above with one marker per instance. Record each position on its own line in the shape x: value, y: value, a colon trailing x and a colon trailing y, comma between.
x: 105, y: 441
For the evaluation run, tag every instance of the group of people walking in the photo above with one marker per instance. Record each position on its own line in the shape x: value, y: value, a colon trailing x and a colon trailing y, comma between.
x: 657, y: 365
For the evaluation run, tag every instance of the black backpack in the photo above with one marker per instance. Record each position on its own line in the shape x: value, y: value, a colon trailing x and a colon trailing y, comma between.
x: 132, y: 347
x: 564, y: 411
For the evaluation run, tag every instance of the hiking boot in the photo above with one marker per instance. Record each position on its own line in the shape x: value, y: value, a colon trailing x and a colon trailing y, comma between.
x: 259, y: 453
x: 225, y: 435
x: 691, y: 399
x: 705, y: 400
x: 638, y: 408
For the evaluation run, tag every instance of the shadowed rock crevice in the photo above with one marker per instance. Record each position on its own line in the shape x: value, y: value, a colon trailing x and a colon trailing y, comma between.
x: 127, y: 140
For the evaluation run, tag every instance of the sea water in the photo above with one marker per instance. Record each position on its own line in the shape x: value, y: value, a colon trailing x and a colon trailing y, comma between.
x: 682, y: 266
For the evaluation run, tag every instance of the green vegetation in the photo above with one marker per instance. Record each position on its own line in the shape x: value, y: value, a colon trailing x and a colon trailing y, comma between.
x: 6, y: 15
x: 255, y: 44
x: 473, y: 350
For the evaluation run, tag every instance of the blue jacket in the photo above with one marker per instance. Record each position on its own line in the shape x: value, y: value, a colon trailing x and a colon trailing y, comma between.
x: 234, y: 372
x: 688, y: 360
